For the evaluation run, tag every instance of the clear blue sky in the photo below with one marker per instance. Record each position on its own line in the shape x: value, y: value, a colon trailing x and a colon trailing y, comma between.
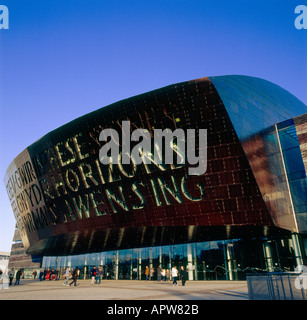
x: 61, y: 59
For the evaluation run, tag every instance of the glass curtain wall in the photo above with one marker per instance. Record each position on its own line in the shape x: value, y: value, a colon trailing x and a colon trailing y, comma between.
x: 295, y: 169
x: 213, y: 260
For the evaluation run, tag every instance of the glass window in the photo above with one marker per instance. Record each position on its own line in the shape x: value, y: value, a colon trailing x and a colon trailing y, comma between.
x: 210, y: 260
x: 298, y: 192
x: 288, y: 138
x: 165, y: 258
x: 294, y: 163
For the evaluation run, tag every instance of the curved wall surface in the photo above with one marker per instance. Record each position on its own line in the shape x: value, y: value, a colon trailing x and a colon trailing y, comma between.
x: 257, y: 109
x: 66, y: 201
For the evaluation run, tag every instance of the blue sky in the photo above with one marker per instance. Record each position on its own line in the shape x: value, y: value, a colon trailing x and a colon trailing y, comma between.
x: 61, y: 59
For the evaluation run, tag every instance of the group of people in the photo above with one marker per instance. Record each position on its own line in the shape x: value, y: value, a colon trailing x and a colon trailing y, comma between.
x: 17, y: 276
x: 49, y: 274
x: 96, y: 275
x: 182, y: 274
x: 163, y: 274
x: 71, y: 275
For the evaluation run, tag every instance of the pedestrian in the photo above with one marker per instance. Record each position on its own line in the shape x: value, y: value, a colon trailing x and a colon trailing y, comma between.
x: 167, y: 277
x: 75, y: 276
x: 163, y: 274
x: 152, y: 273
x: 47, y: 274
x: 67, y: 276
x: 11, y: 276
x: 183, y: 275
x: 159, y: 271
x: 147, y: 273
x: 99, y: 275
x: 174, y: 275
x: 41, y: 275
x: 93, y: 274
x: 34, y: 274
x: 18, y: 275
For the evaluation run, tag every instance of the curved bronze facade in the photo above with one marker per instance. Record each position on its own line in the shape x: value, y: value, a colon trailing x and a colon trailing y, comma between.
x: 66, y: 201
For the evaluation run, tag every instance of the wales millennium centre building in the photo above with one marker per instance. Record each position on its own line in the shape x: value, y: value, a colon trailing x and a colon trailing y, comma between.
x: 247, y: 212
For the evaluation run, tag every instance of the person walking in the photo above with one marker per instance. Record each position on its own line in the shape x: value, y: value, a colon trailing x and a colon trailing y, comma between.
x: 152, y: 273
x: 18, y: 275
x: 41, y: 275
x: 11, y: 276
x: 67, y: 276
x: 174, y: 275
x: 163, y: 275
x: 75, y: 276
x: 147, y: 273
x: 159, y: 271
x: 99, y: 275
x: 93, y: 275
x: 183, y: 275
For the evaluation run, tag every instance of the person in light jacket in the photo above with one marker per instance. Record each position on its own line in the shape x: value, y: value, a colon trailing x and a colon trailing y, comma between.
x: 67, y: 276
x: 174, y: 275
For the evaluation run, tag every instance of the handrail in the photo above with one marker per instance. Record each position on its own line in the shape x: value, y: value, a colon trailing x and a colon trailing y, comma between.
x: 292, y: 273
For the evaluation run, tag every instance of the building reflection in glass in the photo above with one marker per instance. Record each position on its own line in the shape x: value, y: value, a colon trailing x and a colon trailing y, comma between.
x: 212, y: 260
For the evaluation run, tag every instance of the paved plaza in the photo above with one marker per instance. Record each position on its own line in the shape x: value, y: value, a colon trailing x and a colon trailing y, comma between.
x: 126, y: 290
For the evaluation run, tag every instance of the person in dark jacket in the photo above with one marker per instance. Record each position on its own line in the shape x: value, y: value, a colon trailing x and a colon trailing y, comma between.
x: 183, y: 275
x: 99, y: 275
x: 11, y: 276
x: 75, y: 276
x: 93, y: 275
x: 18, y: 275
